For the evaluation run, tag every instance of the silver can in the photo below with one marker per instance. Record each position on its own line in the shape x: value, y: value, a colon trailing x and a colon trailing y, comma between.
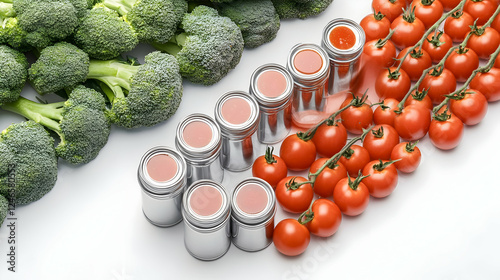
x: 253, y: 207
x: 344, y: 62
x: 272, y: 87
x: 162, y: 177
x: 198, y: 139
x: 206, y: 211
x: 237, y: 114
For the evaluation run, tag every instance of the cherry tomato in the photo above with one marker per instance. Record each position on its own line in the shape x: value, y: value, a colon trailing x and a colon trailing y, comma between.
x: 382, y: 178
x: 484, y: 43
x: 269, y: 168
x: 390, y: 8
x: 327, y: 218
x: 409, y: 156
x: 297, y: 153
x: 481, y: 10
x: 419, y: 98
x: 380, y: 53
x: 449, y: 4
x: 488, y: 84
x: 415, y: 62
x: 407, y: 30
x: 354, y: 159
x: 428, y: 11
x: 330, y: 138
x: 291, y: 198
x: 437, y: 45
x: 462, y: 62
x: 458, y: 26
x: 497, y: 62
x: 380, y: 142
x: 470, y: 107
x: 358, y: 116
x: 438, y: 84
x: 376, y: 26
x: 290, y: 237
x: 326, y: 180
x: 446, y: 133
x: 496, y: 24
x: 392, y: 84
x: 413, y: 122
x: 351, y: 196
x: 384, y: 113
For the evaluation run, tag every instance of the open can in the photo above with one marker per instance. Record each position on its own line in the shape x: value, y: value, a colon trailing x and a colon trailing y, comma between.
x: 162, y: 177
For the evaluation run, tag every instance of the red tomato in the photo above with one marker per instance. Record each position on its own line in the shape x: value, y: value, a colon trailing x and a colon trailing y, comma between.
x: 413, y: 122
x: 354, y: 159
x: 470, y: 107
x: 497, y: 62
x: 409, y: 155
x: 390, y: 8
x: 356, y: 117
x: 292, y: 199
x: 376, y: 26
x: 380, y: 142
x: 428, y: 11
x: 457, y: 26
x: 330, y: 138
x: 298, y: 154
x: 327, y: 218
x: 392, y: 84
x: 407, y: 30
x: 290, y: 237
x: 484, y: 43
x: 351, y: 196
x: 481, y: 10
x: 446, y: 134
x: 382, y: 178
x: 449, y: 4
x: 380, y: 53
x: 419, y: 98
x: 496, y: 24
x: 269, y: 168
x: 384, y: 114
x: 415, y: 63
x: 438, y: 84
x: 326, y: 180
x: 488, y: 84
x: 462, y: 62
x: 437, y: 45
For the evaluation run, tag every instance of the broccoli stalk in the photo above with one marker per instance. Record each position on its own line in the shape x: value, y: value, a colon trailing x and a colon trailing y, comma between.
x: 121, y: 6
x: 115, y: 74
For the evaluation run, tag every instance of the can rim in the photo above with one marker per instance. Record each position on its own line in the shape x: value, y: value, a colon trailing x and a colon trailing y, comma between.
x: 308, y: 78
x: 247, y: 127
x: 265, y: 214
x: 203, y: 152
x: 341, y: 55
x: 265, y: 100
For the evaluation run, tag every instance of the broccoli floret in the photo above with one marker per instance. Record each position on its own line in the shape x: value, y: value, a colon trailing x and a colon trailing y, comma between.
x: 81, y: 122
x: 4, y: 207
x: 103, y: 34
x: 14, y: 35
x: 210, y: 46
x: 28, y: 163
x: 257, y: 19
x: 143, y: 95
x: 13, y: 74
x: 300, y: 9
x: 60, y: 66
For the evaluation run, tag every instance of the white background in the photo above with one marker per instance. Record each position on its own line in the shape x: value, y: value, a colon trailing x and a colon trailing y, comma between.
x: 442, y: 222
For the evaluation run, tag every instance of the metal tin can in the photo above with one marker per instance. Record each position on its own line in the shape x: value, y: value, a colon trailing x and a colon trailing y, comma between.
x: 253, y: 207
x: 345, y: 63
x: 162, y: 177
x: 309, y: 66
x: 237, y: 114
x: 272, y: 87
x: 198, y: 139
x: 206, y: 211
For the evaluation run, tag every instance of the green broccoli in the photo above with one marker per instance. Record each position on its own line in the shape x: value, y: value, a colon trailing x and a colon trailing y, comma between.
x: 4, y: 207
x: 209, y: 47
x: 11, y: 33
x: 257, y: 19
x: 80, y: 122
x: 300, y: 8
x: 28, y: 163
x: 13, y: 74
x: 60, y: 66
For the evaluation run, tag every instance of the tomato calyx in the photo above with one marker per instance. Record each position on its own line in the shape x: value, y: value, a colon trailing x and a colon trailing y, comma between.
x: 435, y: 40
x: 292, y: 185
x: 420, y: 95
x: 269, y: 155
x: 462, y: 50
x: 383, y: 165
x: 382, y: 42
x: 478, y: 31
x: 410, y: 146
x: 379, y: 133
x: 427, y: 2
x: 394, y: 75
x: 354, y: 184
x: 460, y: 95
x: 442, y: 117
x: 409, y: 14
x: 457, y: 14
x: 416, y: 53
x: 378, y: 16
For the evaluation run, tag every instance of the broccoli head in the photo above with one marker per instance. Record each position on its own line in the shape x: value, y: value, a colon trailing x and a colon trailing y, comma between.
x: 81, y: 122
x: 140, y: 95
x: 60, y: 66
x: 257, y: 19
x: 4, y: 207
x: 28, y: 163
x: 103, y: 34
x: 300, y: 8
x: 13, y: 74
x: 210, y: 46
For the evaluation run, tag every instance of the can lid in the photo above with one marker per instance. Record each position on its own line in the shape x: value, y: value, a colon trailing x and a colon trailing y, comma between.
x: 162, y: 171
x: 253, y: 201
x: 343, y: 55
x: 271, y: 84
x: 205, y: 204
x: 198, y: 136
x: 317, y: 58
x: 237, y: 114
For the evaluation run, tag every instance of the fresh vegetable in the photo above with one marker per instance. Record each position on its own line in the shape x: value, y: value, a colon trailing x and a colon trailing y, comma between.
x: 484, y: 41
x: 357, y: 117
x: 292, y: 195
x: 409, y: 156
x: 449, y: 4
x: 4, y: 207
x: 480, y: 10
x: 380, y: 142
x: 437, y: 45
x: 392, y: 83
x: 297, y: 152
x: 327, y: 179
x: 329, y: 138
x: 470, y: 106
x: 428, y: 11
x: 13, y: 74
x: 300, y: 9
x: 376, y: 26
x: 413, y: 122
x: 384, y: 113
x: 382, y: 177
x: 458, y: 25
x: 461, y: 63
x: 419, y: 98
x: 351, y: 196
x: 446, y: 130
x: 390, y: 8
x: 290, y: 237
x: 408, y: 29
x: 488, y: 83
x: 415, y: 62
x: 270, y: 168
x: 379, y: 53
x: 438, y: 83
x: 325, y: 218
x: 354, y: 159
